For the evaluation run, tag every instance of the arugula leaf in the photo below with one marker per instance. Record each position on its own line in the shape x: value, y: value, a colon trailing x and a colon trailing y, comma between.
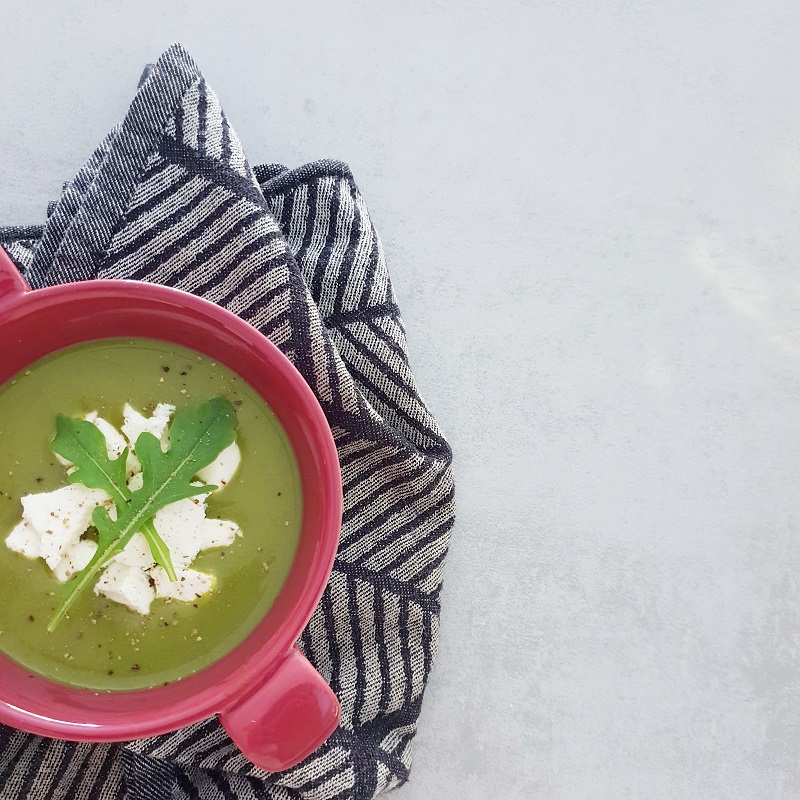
x: 84, y: 445
x: 197, y: 437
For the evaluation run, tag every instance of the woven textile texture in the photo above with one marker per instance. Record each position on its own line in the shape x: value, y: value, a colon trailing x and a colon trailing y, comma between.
x: 169, y: 197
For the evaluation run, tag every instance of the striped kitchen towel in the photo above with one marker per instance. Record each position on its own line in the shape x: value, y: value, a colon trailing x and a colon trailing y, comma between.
x: 169, y: 197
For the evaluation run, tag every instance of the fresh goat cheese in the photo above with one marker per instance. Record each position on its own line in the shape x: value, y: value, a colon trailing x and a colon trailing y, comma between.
x: 179, y: 525
x: 61, y: 517
x: 53, y: 523
x: 127, y: 585
x: 220, y: 471
x: 217, y: 533
x: 190, y: 584
x: 24, y: 539
x: 75, y: 559
x: 134, y: 424
x: 115, y: 441
x: 136, y: 553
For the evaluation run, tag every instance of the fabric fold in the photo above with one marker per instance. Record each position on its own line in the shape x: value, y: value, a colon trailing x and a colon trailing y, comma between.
x: 169, y: 197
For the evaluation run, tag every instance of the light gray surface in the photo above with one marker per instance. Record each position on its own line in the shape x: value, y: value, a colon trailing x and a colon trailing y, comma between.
x: 590, y: 212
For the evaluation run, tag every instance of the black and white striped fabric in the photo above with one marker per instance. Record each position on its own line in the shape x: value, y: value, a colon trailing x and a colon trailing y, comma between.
x: 169, y: 197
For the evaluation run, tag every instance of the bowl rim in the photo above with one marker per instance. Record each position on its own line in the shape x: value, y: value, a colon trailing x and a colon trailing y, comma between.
x: 234, y: 683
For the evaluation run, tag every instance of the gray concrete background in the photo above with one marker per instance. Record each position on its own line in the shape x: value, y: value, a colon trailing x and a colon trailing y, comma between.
x: 590, y: 212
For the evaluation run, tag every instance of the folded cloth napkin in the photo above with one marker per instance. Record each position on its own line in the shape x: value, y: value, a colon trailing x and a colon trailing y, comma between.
x: 169, y: 197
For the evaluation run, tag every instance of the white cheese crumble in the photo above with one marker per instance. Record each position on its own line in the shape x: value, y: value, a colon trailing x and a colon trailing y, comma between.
x: 217, y: 533
x: 61, y: 517
x: 136, y: 554
x: 190, y: 585
x: 127, y: 585
x: 24, y: 539
x: 115, y: 441
x: 134, y: 424
x: 75, y: 559
x: 53, y: 523
x: 220, y: 471
x: 179, y: 526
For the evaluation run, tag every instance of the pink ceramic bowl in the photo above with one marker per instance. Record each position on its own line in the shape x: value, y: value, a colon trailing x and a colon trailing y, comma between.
x: 269, y: 698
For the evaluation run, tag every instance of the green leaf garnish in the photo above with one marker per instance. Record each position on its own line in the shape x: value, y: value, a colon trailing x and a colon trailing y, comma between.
x: 197, y: 437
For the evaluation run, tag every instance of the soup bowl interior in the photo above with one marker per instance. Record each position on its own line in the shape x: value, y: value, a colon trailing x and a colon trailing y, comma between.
x: 34, y: 324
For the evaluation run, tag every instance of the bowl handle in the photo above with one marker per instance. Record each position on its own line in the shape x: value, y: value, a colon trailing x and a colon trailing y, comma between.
x: 11, y: 282
x: 285, y: 719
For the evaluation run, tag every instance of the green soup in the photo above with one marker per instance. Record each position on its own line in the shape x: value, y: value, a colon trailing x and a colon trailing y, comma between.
x: 104, y: 645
